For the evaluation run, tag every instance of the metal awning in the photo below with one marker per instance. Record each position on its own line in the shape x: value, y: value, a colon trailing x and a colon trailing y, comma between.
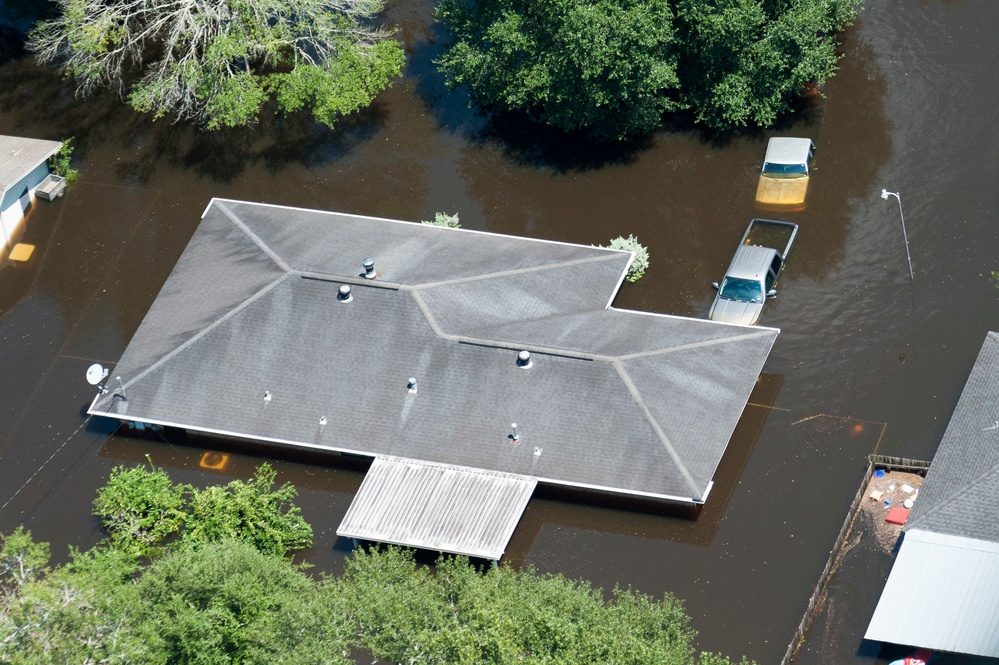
x: 440, y: 507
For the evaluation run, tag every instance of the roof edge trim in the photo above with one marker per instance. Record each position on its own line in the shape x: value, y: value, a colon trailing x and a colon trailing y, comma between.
x: 212, y: 326
x: 351, y: 451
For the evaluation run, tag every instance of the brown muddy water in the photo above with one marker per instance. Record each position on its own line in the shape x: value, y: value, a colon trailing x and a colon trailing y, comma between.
x: 867, y: 360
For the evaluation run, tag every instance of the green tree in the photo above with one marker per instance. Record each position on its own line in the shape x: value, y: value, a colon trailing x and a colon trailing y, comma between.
x: 218, y: 61
x: 141, y: 508
x: 605, y: 65
x: 406, y: 613
x: 746, y: 61
x: 80, y: 613
x: 250, y: 511
x: 217, y: 602
x: 22, y: 559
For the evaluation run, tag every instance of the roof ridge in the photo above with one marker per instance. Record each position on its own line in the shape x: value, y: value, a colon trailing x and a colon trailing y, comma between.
x: 516, y: 271
x: 485, y: 341
x: 922, y: 515
x: 663, y: 439
x: 696, y: 345
x: 241, y: 225
x: 957, y: 495
x: 207, y: 329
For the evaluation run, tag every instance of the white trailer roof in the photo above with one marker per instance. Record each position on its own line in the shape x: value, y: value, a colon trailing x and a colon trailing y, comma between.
x: 942, y: 594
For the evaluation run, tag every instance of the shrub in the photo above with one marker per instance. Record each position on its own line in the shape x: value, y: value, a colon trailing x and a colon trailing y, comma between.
x: 444, y: 219
x: 641, y: 261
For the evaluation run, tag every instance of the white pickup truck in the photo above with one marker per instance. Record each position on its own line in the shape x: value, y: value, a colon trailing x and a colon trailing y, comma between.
x: 752, y: 275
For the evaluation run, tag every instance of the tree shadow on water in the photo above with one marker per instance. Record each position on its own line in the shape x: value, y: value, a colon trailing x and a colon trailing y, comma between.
x: 277, y: 142
x: 36, y: 101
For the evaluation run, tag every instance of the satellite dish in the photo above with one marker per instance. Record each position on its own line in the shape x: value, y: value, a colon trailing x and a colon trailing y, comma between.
x: 96, y: 373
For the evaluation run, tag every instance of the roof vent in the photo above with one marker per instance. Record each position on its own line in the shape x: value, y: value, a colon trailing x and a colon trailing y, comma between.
x: 369, y: 268
x: 524, y: 359
x: 343, y: 295
x: 322, y: 421
x: 267, y: 395
x: 411, y: 385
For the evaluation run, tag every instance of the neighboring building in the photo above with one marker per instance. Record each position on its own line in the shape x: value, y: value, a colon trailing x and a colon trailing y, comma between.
x: 251, y: 338
x: 943, y: 590
x: 23, y: 166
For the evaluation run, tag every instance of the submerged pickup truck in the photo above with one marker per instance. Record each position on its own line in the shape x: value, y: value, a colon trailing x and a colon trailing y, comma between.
x: 752, y: 276
x: 784, y: 178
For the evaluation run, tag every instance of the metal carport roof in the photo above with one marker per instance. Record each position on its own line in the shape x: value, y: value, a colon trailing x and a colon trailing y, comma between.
x: 438, y: 507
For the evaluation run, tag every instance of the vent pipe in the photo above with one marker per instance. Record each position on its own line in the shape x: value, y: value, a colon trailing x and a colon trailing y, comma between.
x: 411, y: 385
x: 369, y: 268
x: 516, y: 431
x: 524, y: 359
x: 267, y: 395
x: 343, y: 295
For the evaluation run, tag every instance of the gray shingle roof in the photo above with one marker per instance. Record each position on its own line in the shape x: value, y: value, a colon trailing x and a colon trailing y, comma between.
x: 616, y: 400
x: 18, y: 156
x: 961, y: 490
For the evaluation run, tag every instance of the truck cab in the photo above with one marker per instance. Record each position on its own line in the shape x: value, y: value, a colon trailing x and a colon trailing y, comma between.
x: 784, y: 178
x: 752, y: 275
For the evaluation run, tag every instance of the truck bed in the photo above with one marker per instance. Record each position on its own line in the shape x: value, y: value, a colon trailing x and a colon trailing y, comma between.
x: 771, y: 233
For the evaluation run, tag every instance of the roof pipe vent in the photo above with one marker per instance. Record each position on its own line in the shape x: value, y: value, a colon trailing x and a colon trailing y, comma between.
x: 369, y: 268
x: 524, y: 359
x: 343, y: 295
x: 411, y: 385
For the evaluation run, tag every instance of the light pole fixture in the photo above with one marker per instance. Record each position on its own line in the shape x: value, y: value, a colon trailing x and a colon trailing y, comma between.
x: 885, y: 194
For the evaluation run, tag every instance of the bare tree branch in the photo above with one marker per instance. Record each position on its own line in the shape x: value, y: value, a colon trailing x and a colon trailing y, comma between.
x: 217, y: 61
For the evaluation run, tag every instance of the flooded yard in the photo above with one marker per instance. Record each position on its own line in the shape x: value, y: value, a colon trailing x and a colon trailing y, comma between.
x: 868, y: 360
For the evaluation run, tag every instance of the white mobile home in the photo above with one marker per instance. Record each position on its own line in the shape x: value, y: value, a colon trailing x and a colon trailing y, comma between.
x: 23, y: 166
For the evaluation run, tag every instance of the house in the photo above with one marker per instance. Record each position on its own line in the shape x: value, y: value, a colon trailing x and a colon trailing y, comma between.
x: 943, y: 590
x: 469, y: 366
x: 23, y: 166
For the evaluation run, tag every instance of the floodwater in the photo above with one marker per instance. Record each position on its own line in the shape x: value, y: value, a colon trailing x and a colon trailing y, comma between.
x: 867, y: 361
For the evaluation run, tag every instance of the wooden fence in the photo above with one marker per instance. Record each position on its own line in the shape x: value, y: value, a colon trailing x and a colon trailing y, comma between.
x: 873, y: 462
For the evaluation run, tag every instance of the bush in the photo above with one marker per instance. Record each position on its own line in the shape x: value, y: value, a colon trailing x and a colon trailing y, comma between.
x: 59, y: 163
x: 444, y: 219
x: 640, y: 263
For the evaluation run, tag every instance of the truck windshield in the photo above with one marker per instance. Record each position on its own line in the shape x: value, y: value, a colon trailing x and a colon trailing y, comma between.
x: 785, y: 170
x: 748, y: 290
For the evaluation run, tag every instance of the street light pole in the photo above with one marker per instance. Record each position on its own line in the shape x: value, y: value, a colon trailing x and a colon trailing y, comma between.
x: 885, y: 194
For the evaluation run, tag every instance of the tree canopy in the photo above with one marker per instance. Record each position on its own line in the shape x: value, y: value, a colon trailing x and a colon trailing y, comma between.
x: 142, y: 508
x: 615, y: 67
x: 607, y: 65
x: 218, y: 61
x: 746, y: 61
x: 228, y: 596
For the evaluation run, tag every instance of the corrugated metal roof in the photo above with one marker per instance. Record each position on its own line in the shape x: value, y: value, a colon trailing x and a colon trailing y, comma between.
x: 942, y: 594
x: 437, y: 507
x: 18, y: 156
x: 943, y: 590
